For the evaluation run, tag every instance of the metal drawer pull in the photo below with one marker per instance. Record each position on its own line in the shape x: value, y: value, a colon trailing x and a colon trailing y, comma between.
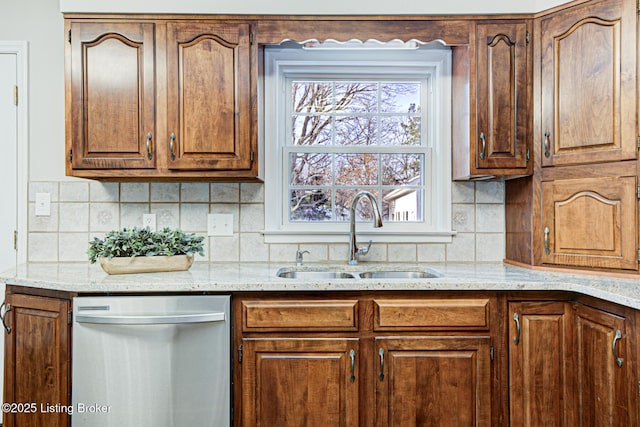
x: 3, y: 316
x: 484, y: 145
x: 516, y: 339
x: 381, y: 374
x: 172, y: 138
x: 352, y: 355
x: 546, y: 144
x: 546, y: 241
x: 149, y: 155
x: 616, y: 338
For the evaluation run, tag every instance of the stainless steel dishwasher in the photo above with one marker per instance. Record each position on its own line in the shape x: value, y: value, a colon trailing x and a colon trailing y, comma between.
x: 161, y: 361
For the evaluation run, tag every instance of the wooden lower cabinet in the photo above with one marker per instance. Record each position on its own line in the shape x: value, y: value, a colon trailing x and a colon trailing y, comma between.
x: 538, y: 363
x: 569, y: 365
x: 358, y: 360
x: 300, y: 382
x: 433, y: 381
x: 603, y: 381
x: 37, y: 361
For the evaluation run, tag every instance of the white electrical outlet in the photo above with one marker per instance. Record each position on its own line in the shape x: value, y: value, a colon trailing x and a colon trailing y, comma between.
x: 43, y: 204
x: 220, y: 225
x: 149, y: 220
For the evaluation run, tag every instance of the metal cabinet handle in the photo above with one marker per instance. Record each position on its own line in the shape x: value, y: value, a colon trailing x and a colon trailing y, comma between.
x: 546, y: 144
x: 546, y: 241
x: 352, y: 355
x: 516, y: 318
x: 172, y: 138
x: 149, y: 155
x: 3, y: 316
x: 381, y: 374
x: 616, y: 338
x: 484, y: 145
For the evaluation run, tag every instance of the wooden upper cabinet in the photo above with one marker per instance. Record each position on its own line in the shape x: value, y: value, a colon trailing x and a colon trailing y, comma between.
x: 491, y: 87
x: 160, y: 98
x: 588, y: 84
x: 111, y: 98
x: 590, y: 222
x: 209, y: 97
x: 502, y: 96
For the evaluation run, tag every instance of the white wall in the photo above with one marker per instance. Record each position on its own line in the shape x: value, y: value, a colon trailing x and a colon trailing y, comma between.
x: 40, y: 23
x: 309, y: 7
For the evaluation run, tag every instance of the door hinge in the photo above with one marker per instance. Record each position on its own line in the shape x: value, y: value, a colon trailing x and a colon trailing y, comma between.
x: 240, y: 354
x: 638, y: 138
x: 15, y: 240
x: 528, y: 36
x: 15, y: 95
x: 638, y: 254
x: 638, y: 388
x: 69, y: 317
x: 638, y: 195
x: 491, y: 353
x: 528, y: 155
x: 69, y: 37
x: 251, y: 38
x: 70, y: 155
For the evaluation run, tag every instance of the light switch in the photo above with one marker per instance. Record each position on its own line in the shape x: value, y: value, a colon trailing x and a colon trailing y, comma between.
x: 43, y: 204
x: 220, y: 225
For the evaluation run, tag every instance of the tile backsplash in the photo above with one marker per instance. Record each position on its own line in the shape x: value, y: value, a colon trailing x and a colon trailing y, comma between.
x: 84, y: 209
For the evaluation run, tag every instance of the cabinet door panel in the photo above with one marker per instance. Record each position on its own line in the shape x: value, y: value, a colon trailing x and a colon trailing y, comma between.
x: 37, y: 360
x: 588, y: 88
x: 298, y: 382
x: 538, y: 358
x: 208, y: 96
x: 601, y: 382
x: 112, y: 121
x: 502, y: 95
x: 433, y: 381
x: 590, y: 222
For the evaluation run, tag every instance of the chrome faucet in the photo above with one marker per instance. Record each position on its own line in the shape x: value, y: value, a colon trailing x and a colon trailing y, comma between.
x: 299, y: 255
x: 354, y: 251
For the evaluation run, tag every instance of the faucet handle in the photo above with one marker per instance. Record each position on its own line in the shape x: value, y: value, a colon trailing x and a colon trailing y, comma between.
x: 299, y: 255
x: 364, y: 250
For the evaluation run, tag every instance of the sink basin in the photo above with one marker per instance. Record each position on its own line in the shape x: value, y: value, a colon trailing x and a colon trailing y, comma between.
x: 313, y: 275
x: 340, y: 273
x: 417, y: 274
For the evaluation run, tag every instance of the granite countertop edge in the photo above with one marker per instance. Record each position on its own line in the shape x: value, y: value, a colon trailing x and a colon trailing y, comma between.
x: 83, y: 277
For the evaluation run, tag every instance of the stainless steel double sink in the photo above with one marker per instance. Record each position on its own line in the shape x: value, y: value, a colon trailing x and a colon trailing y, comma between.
x: 328, y: 273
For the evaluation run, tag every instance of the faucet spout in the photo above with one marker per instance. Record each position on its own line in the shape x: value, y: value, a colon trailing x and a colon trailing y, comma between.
x: 354, y: 250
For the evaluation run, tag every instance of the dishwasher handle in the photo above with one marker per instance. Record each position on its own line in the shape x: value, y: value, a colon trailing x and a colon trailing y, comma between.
x: 172, y: 319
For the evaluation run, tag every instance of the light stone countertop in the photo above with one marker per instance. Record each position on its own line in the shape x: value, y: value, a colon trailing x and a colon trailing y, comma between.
x: 258, y: 277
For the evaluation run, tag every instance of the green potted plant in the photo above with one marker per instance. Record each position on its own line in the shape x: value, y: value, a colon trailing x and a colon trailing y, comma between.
x: 140, y: 250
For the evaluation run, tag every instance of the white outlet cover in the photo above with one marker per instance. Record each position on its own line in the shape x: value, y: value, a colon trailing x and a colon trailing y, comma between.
x: 220, y: 225
x: 149, y: 220
x: 43, y: 204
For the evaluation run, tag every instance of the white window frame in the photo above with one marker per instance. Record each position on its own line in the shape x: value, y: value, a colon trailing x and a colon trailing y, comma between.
x: 282, y: 64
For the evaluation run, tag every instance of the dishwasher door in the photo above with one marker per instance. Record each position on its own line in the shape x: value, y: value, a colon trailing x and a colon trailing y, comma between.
x: 151, y: 361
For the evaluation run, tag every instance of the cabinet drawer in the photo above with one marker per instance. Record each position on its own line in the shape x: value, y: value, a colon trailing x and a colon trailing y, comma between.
x: 306, y: 315
x: 449, y: 314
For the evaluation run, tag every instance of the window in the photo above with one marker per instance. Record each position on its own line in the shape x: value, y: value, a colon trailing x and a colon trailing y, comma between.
x: 343, y: 120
